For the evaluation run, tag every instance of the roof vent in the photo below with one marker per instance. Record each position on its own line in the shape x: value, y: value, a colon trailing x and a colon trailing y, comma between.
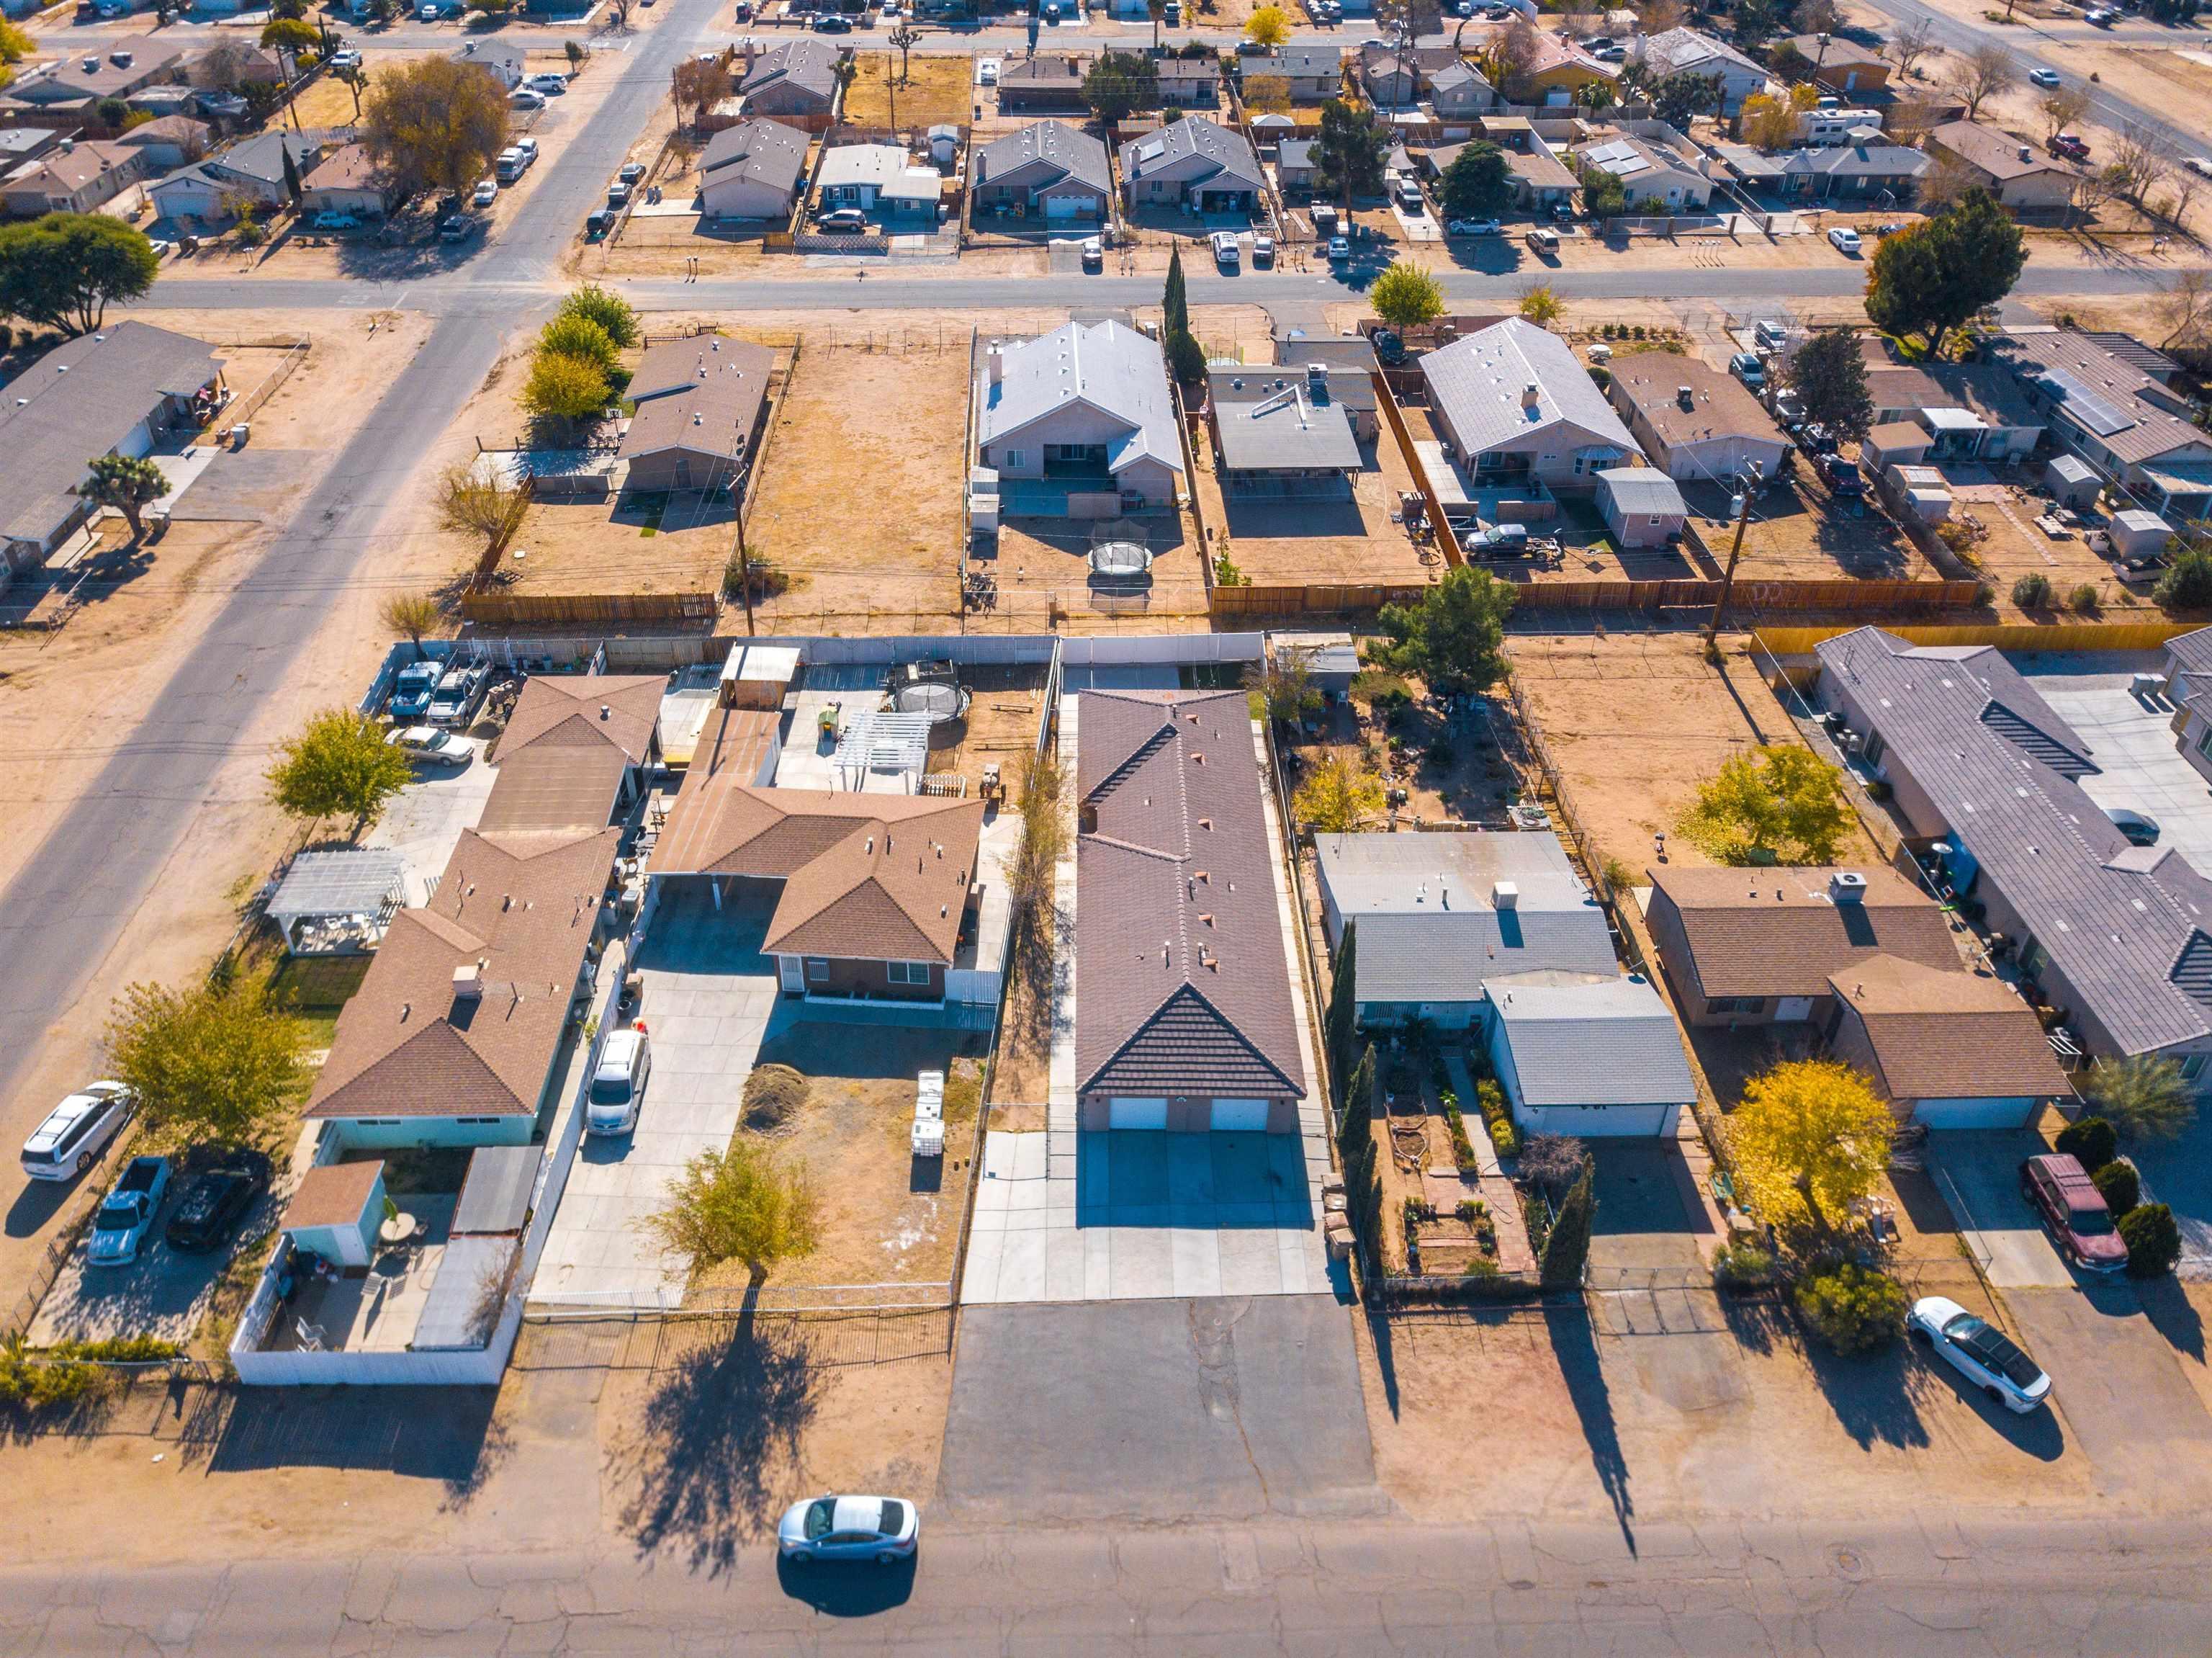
x: 1504, y: 895
x: 1685, y: 396
x: 604, y: 711
x: 1847, y: 886
x: 2027, y: 154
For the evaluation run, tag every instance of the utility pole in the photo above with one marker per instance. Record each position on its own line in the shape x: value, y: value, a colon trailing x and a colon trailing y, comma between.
x: 1735, y: 551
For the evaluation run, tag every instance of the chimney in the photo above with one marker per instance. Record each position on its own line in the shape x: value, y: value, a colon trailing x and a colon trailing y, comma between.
x: 468, y: 984
x: 997, y: 360
x: 1685, y: 396
x: 1847, y: 886
x: 1532, y: 395
x: 1504, y: 895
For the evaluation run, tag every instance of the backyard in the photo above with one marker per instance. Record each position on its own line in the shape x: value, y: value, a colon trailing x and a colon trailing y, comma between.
x: 932, y: 89
x: 1274, y: 540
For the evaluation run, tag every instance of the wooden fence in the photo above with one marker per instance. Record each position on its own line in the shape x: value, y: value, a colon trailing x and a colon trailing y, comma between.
x: 1783, y: 642
x: 494, y: 609
x: 1319, y: 598
x: 1388, y: 405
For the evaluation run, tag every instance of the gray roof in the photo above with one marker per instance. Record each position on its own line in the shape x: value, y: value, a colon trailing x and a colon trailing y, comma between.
x: 455, y: 1308
x: 1230, y: 153
x: 808, y: 62
x: 1297, y: 60
x: 1065, y: 152
x: 261, y: 156
x: 19, y: 143
x: 1478, y: 382
x: 1352, y: 387
x: 1873, y: 161
x: 2188, y: 662
x: 1643, y: 490
x: 2113, y: 400
x: 356, y: 881
x: 495, y: 1191
x: 2122, y: 926
x: 1106, y: 366
x: 1296, y: 154
x: 1287, y: 433
x: 766, y: 152
x: 1687, y: 51
x: 1611, y: 1042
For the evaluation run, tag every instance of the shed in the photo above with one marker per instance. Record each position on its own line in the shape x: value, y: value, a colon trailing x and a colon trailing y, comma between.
x: 337, y: 903
x: 2136, y: 532
x: 2073, y: 480
x: 943, y: 143
x: 337, y: 1211
x: 1331, y: 660
x: 1641, y: 505
x: 758, y: 676
x: 495, y: 1192
x: 1922, y: 491
x: 1899, y: 442
x: 464, y: 1301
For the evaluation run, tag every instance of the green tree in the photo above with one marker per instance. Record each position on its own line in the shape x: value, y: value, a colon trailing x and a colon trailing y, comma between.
x: 1337, y: 796
x: 1539, y: 304
x: 1478, y: 184
x: 1455, y: 638
x: 1679, y: 98
x: 2187, y: 583
x: 1774, y: 804
x: 413, y: 614
x: 14, y: 46
x: 1119, y: 83
x: 1343, y: 1003
x: 215, y: 1062
x: 611, y: 311
x: 738, y: 1204
x: 1603, y: 193
x: 435, y: 122
x: 1811, y: 1137
x: 113, y: 113
x: 1357, y: 1127
x: 1567, y: 1245
x: 1930, y: 277
x: 129, y: 483
x: 1407, y: 296
x: 339, y: 765
x: 1268, y: 27
x: 579, y: 337
x: 1175, y: 303
x: 2119, y: 1186
x: 564, y: 388
x: 63, y: 270
x: 2153, y: 1241
x: 292, y: 185
x: 1285, y: 686
x: 1855, y: 1309
x: 2142, y: 1096
x: 1829, y: 376
x: 288, y: 34
x: 2091, y: 1141
x: 1350, y: 152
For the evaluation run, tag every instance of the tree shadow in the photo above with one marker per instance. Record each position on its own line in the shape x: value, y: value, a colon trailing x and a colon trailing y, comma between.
x: 712, y: 1431
x: 1386, y: 1359
x: 2173, y: 1314
x: 1575, y: 1349
x: 1875, y: 1396
x: 1759, y: 1324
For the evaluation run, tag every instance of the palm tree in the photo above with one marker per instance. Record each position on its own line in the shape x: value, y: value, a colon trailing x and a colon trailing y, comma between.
x: 1159, y: 11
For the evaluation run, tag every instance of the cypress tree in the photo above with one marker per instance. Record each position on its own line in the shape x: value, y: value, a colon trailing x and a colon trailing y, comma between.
x: 1359, y: 1129
x: 1342, y: 1007
x: 291, y: 176
x: 1174, y: 307
x: 1567, y: 1245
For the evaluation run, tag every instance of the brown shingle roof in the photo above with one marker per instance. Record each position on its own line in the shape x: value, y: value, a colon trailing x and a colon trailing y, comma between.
x: 1939, y: 1034
x: 622, y: 710
x: 1184, y: 987
x: 332, y: 1194
x: 1774, y: 932
x: 1650, y: 383
x: 700, y: 394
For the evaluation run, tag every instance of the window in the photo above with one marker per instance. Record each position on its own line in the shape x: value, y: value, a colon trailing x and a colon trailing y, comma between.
x: 1874, y: 748
x: 2204, y: 743
x: 818, y: 969
x: 1735, y: 1004
x: 2192, y: 1067
x: 907, y: 973
x: 1010, y: 457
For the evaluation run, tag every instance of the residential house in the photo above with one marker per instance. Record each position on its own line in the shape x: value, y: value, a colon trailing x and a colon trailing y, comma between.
x: 2116, y: 416
x: 1048, y: 170
x: 2013, y: 170
x: 118, y: 392
x: 171, y: 141
x: 1887, y: 173
x: 109, y: 68
x: 1970, y: 411
x: 1188, y: 83
x: 251, y: 170
x: 701, y: 404
x: 798, y: 78
x: 1595, y: 1059
x: 1393, y: 79
x: 881, y: 179
x: 1346, y: 371
x: 20, y: 146
x: 504, y: 61
x: 1641, y: 506
x: 1948, y: 1049
x: 1193, y: 163
x: 349, y: 180
x: 1659, y: 171
x: 1758, y: 945
x: 1518, y: 409
x: 1187, y: 1016
x: 1841, y: 67
x: 1294, y: 165
x: 1295, y: 442
x: 1540, y: 181
x: 1048, y: 83
x: 1691, y: 52
x: 2189, y: 688
x: 1458, y: 90
x: 1695, y: 422
x: 1084, y: 411
x: 752, y: 171
x: 576, y: 754
x: 77, y: 177
x: 2137, y: 354
x: 1555, y: 70
x: 2117, y: 938
x: 1311, y: 70
x: 1431, y: 917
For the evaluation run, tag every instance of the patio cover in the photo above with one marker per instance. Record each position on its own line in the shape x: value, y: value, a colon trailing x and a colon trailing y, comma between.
x: 454, y: 1311
x: 361, y: 882
x: 495, y: 1192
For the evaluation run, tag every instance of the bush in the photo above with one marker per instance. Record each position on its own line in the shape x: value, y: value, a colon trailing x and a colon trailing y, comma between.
x: 1504, y: 1138
x: 35, y: 1383
x: 2187, y: 583
x: 1463, y: 1148
x: 772, y: 1093
x: 1743, y: 1266
x: 1470, y: 1209
x: 2032, y: 591
x: 2152, y: 1239
x: 1552, y: 1161
x: 2083, y: 600
x: 2092, y: 1141
x: 2121, y: 1185
x: 769, y: 580
x: 1853, y: 1308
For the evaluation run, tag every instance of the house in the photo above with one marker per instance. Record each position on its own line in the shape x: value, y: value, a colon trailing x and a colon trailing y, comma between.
x: 2116, y: 416
x: 1696, y: 422
x: 171, y: 141
x: 118, y: 392
x: 1514, y: 404
x: 2116, y: 938
x: 798, y: 78
x: 1690, y: 51
x: 701, y: 403
x: 349, y: 180
x: 1186, y: 1016
x: 1194, y: 163
x: 1393, y: 79
x: 1048, y: 83
x: 1641, y: 506
x: 1188, y: 83
x: 1295, y: 442
x: 503, y: 61
x: 879, y: 179
x: 1430, y: 917
x: 1948, y: 1049
x: 1348, y: 383
x: 1597, y: 1058
x: 1540, y: 181
x: 251, y: 170
x: 1086, y: 411
x: 109, y: 68
x: 2137, y: 354
x: 1841, y: 67
x: 77, y: 177
x: 576, y: 754
x: 1048, y: 170
x: 1889, y: 174
x: 2013, y: 171
x: 2189, y: 688
x: 20, y: 146
x: 1458, y: 90
x: 1312, y: 69
x: 1970, y: 411
x: 1294, y: 165
x: 1756, y: 945
x: 1555, y: 70
x: 1659, y: 172
x: 752, y: 171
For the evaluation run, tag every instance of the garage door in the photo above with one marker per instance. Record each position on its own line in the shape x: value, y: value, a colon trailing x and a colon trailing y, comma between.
x: 1067, y: 207
x: 1130, y: 1111
x: 1590, y: 1122
x: 1240, y: 1116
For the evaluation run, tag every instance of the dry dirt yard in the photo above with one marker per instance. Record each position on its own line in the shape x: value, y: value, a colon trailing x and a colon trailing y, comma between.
x: 937, y: 87
x: 1295, y: 542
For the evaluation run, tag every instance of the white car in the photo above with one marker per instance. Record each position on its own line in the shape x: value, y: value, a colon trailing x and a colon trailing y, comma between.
x: 485, y: 194
x: 1845, y: 239
x: 884, y: 1529
x: 1094, y: 253
x: 1263, y: 250
x: 2043, y: 77
x: 126, y: 1214
x: 428, y: 11
x: 428, y: 746
x: 524, y: 98
x: 74, y: 1132
x: 2201, y: 165
x: 552, y: 85
x: 346, y: 57
x: 1982, y: 1353
x: 986, y: 71
x: 1475, y: 228
x: 618, y: 1093
x: 1224, y: 248
x: 527, y: 148
x: 335, y: 221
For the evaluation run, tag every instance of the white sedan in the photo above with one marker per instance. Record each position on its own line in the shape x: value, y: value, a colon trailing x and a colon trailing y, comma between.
x: 884, y: 1529
x: 1474, y: 228
x: 2043, y: 77
x: 1980, y: 1352
x: 1845, y: 239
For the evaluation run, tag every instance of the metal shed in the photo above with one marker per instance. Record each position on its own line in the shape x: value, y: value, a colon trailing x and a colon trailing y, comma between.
x: 2073, y: 480
x: 337, y: 903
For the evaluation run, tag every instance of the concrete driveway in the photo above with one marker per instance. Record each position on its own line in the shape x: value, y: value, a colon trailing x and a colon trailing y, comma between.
x: 424, y: 823
x: 2178, y: 1173
x: 1978, y: 1175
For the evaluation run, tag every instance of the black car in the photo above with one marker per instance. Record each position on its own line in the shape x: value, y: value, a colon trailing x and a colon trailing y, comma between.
x: 215, y: 1200
x: 1842, y: 477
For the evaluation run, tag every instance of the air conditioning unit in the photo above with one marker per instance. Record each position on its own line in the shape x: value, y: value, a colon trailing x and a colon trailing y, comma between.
x: 1847, y: 886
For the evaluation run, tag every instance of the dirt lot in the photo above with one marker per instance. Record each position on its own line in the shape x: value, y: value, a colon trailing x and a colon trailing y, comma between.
x: 645, y: 544
x: 1005, y: 703
x: 1291, y: 541
x: 2176, y: 81
x: 2014, y: 548
x: 327, y: 102
x: 1800, y: 532
x: 936, y: 86
x: 1635, y: 721
x: 1042, y: 570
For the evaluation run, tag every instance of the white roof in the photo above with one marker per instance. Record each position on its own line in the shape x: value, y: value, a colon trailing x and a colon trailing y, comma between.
x: 1609, y: 1042
x: 358, y: 882
x: 893, y: 171
x: 1105, y: 366
x: 1480, y: 382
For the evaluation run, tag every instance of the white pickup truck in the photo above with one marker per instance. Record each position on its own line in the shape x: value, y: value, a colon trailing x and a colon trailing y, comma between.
x: 127, y: 1213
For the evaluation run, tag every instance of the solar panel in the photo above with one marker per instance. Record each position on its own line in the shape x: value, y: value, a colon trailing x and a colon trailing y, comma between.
x: 2084, y: 405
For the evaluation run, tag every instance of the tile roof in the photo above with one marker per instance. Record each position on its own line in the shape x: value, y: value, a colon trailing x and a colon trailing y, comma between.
x: 1478, y: 380
x: 1106, y: 366
x: 1612, y: 1042
x: 763, y: 151
x: 332, y: 1194
x: 1940, y: 1034
x: 1775, y: 932
x: 1183, y: 986
x: 701, y: 394
x: 1650, y: 383
x: 1066, y: 151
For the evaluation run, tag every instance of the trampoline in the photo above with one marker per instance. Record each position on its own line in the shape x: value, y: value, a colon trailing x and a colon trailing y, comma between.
x: 1119, y: 550
x: 940, y: 700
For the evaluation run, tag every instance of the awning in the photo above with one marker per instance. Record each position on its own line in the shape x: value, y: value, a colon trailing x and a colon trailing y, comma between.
x: 362, y: 881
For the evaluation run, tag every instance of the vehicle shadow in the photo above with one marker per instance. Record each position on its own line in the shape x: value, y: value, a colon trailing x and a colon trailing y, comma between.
x: 848, y: 1589
x: 1575, y: 1348
x: 39, y: 1202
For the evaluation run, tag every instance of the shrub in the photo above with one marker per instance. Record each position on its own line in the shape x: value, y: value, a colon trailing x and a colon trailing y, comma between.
x: 772, y: 1093
x: 1552, y: 1161
x: 2083, y: 600
x: 2152, y: 1239
x: 1854, y: 1309
x: 2187, y: 583
x: 1470, y: 1209
x: 2092, y: 1141
x: 1412, y: 1212
x: 1743, y: 1266
x: 35, y: 1384
x: 1503, y: 1136
x: 2032, y: 591
x: 769, y: 580
x: 2121, y: 1185
x: 1463, y: 1148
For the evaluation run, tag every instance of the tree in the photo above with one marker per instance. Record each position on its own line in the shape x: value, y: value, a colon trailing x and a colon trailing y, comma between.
x: 113, y: 112
x: 1987, y: 72
x: 1407, y: 296
x: 903, y: 40
x: 215, y: 1062
x: 2119, y: 1186
x: 1268, y: 27
x: 262, y: 97
x: 355, y: 79
x: 2153, y: 1241
x: 1035, y: 868
x: 1596, y: 95
x: 2062, y: 108
x: 1343, y: 1004
x: 413, y: 614
x: 1855, y: 1309
x: 226, y: 64
x: 2142, y: 1096
x: 1771, y: 123
x: 292, y: 186
x: 741, y: 1204
x: 1679, y: 98
x: 564, y: 388
x: 1811, y: 1137
x: 1829, y: 376
x: 1605, y: 194
x: 1119, y: 83
x: 611, y: 311
x: 1350, y: 152
x: 1567, y: 1245
x: 129, y: 483
x: 339, y: 765
x: 1337, y: 796
x: 2091, y: 1141
x: 2187, y: 583
x: 2183, y: 311
x: 1782, y: 803
x: 571, y: 335
x: 1911, y: 43
x: 1158, y: 10
x: 1930, y: 277
x: 1541, y: 304
x: 1285, y: 686
x: 288, y: 34
x: 1358, y: 1129
x: 1455, y: 638
x: 435, y: 122
x: 1478, y: 184
x: 1512, y: 56
x: 1175, y: 302
x: 14, y: 46
x: 2141, y: 158
x: 65, y: 270
x: 479, y: 503
x: 698, y: 84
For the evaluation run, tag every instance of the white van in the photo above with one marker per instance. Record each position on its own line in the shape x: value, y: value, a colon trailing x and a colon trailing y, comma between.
x: 617, y: 1091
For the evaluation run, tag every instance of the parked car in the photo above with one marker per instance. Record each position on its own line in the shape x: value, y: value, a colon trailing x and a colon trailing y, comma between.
x: 1843, y: 477
x: 2072, y: 1210
x: 1770, y: 335
x: 2140, y: 830
x: 1497, y: 540
x: 884, y: 1529
x: 460, y: 693
x: 1094, y: 253
x: 1843, y: 239
x: 2103, y: 16
x: 596, y: 223
x: 456, y: 226
x: 830, y: 23
x: 1614, y: 54
x: 214, y: 1201
x: 428, y: 12
x: 1410, y: 197
x: 335, y: 221
x: 1225, y: 253
x: 161, y: 248
x: 1984, y: 1356
x: 77, y: 1131
x: 1543, y: 241
x: 1389, y: 348
x: 527, y: 148
x: 126, y: 1214
x: 842, y: 221
x: 617, y: 1092
x: 346, y: 57
x: 551, y: 84
x: 618, y: 194
x: 524, y: 98
x: 986, y: 71
x: 1340, y: 250
x: 1252, y: 49
x: 485, y: 194
x: 2069, y: 146
x: 428, y: 746
x: 2043, y: 77
x: 1474, y: 228
x: 1263, y: 250
x: 631, y: 171
x: 2200, y: 165
x: 1746, y: 368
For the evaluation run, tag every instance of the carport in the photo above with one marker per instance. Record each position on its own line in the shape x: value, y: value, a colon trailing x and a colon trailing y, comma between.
x: 337, y: 903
